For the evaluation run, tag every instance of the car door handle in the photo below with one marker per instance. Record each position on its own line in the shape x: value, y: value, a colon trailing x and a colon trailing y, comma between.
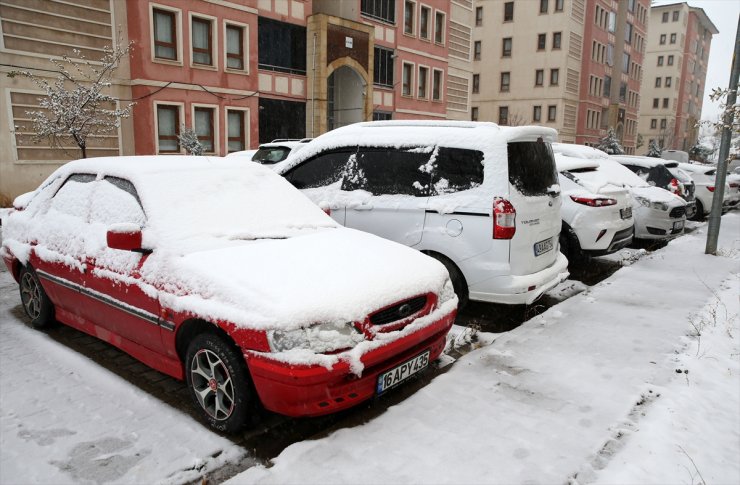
x: 363, y: 207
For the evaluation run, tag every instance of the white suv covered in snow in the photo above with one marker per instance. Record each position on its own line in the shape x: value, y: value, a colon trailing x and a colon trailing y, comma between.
x: 482, y: 199
x: 597, y: 219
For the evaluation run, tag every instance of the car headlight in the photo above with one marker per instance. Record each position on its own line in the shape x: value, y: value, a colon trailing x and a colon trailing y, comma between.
x: 319, y: 338
x: 662, y: 206
x: 447, y: 293
x: 642, y: 201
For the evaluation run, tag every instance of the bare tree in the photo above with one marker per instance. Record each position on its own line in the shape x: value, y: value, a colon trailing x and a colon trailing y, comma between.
x: 517, y: 119
x: 76, y: 105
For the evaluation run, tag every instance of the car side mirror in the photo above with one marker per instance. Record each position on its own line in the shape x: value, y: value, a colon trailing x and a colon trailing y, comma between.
x: 126, y: 237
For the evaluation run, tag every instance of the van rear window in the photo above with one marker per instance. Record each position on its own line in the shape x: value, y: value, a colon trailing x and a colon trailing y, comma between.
x: 531, y: 167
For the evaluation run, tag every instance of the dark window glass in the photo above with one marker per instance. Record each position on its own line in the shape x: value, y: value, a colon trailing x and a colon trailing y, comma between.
x: 559, y: 5
x: 281, y: 119
x: 557, y: 40
x: 508, y: 11
x: 200, y: 33
x: 541, y: 41
x: 461, y: 169
x: 478, y: 16
x: 664, y: 17
x: 379, y: 9
x: 281, y: 46
x: 388, y: 171
x: 531, y: 167
x: 543, y: 6
x: 383, y: 74
x: 382, y: 116
x: 537, y: 113
x: 270, y: 155
x: 234, y: 47
x: 124, y: 185
x: 607, y: 86
x: 506, y: 47
x: 319, y: 171
x: 82, y: 178
x: 165, y: 35
x: 539, y: 77
x: 503, y: 115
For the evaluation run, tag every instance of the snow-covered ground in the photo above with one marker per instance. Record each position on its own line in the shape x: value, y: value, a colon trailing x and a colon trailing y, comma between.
x: 587, y: 392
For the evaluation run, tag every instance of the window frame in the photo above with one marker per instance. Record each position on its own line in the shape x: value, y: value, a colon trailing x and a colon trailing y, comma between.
x: 537, y: 113
x: 441, y: 33
x: 508, y: 6
x: 555, y: 74
x: 390, y: 65
x: 478, y: 16
x: 176, y: 13
x: 544, y: 7
x: 412, y: 68
x: 552, y: 113
x: 503, y: 110
x: 390, y: 9
x: 504, y: 52
x: 539, y: 77
x: 179, y: 110
x: 212, y: 41
x: 559, y: 5
x: 409, y: 30
x: 245, y: 113
x: 215, y: 133
x: 475, y: 84
x: 505, y: 88
x: 541, y: 42
x: 429, y: 10
x: 474, y: 113
x: 559, y: 36
x: 477, y: 50
x: 244, y: 45
x: 422, y: 81
x: 440, y: 88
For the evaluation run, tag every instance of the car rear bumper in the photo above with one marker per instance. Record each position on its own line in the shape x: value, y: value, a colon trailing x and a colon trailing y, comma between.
x: 314, y: 390
x: 521, y: 289
x: 620, y: 240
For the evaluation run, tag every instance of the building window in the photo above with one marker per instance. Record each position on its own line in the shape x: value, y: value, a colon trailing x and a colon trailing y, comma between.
x: 607, y: 86
x: 168, y: 127
x: 557, y: 39
x: 422, y: 81
x: 673, y: 38
x: 656, y: 102
x: 628, y: 33
x: 665, y: 102
x: 282, y: 46
x: 664, y: 18
x: 663, y: 124
x: 384, y: 10
x: 506, y: 47
x: 675, y: 15
x: 552, y: 112
x: 662, y: 39
x: 625, y: 62
x: 653, y: 124
x: 383, y: 72
x: 439, y: 27
x: 657, y: 82
x: 537, y: 113
x: 478, y: 16
x: 204, y: 128
x: 436, y: 85
x: 543, y: 6
x: 631, y: 5
x: 668, y: 81
x: 235, y: 47
x: 670, y: 60
x: 474, y: 113
x: 612, y: 22
x: 476, y: 83
x: 382, y: 116
x: 409, y: 8
x: 476, y: 50
x: 622, y: 92
x: 660, y: 60
x: 508, y: 11
x: 235, y: 122
x: 201, y: 37
x: 554, y: 77
x: 541, y: 42
x: 424, y: 22
x: 505, y: 81
x: 559, y: 5
x: 408, y: 74
x: 165, y: 35
x: 503, y: 115
x: 539, y: 77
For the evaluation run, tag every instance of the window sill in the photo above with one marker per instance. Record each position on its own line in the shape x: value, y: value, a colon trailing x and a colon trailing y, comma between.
x: 168, y: 62
x: 204, y: 67
x: 378, y: 19
x: 440, y: 44
x: 241, y: 72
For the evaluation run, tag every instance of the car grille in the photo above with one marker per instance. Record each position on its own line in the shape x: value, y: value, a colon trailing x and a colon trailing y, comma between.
x: 678, y: 212
x: 399, y: 311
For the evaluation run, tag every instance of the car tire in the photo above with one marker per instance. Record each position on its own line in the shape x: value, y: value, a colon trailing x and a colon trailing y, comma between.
x: 570, y: 246
x: 699, y: 215
x: 34, y: 300
x: 219, y: 383
x: 457, y: 278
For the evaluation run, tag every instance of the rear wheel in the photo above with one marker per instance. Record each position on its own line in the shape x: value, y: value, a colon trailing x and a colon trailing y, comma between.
x: 457, y: 278
x: 218, y: 381
x: 36, y: 304
x: 699, y: 215
x: 570, y: 246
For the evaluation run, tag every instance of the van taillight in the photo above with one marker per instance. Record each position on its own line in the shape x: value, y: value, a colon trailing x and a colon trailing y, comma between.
x: 674, y: 187
x: 504, y: 219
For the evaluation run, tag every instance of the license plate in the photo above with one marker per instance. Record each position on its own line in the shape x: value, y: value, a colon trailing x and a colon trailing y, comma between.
x: 397, y: 375
x: 543, y: 246
x: 625, y: 213
x: 677, y: 225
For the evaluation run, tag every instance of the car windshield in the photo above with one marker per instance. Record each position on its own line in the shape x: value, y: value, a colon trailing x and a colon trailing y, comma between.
x: 228, y: 203
x: 271, y: 155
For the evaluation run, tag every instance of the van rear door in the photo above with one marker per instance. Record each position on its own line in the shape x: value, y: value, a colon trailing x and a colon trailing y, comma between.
x: 535, y: 194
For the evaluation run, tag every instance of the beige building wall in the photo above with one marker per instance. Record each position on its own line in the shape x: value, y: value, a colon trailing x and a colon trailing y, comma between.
x: 460, y: 65
x: 54, y: 27
x: 525, y: 60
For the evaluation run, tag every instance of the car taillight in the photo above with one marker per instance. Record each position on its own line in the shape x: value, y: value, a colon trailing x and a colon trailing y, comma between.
x: 710, y: 188
x: 593, y: 202
x: 504, y: 219
x: 674, y: 187
x: 734, y: 185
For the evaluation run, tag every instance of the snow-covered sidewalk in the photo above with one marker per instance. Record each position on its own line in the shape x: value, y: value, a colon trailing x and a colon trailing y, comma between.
x: 64, y: 419
x: 558, y: 398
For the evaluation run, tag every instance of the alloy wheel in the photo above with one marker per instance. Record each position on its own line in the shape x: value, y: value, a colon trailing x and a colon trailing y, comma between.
x: 212, y: 384
x: 31, y: 295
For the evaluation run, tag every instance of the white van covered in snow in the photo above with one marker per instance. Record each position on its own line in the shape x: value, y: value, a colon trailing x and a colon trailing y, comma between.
x: 482, y: 199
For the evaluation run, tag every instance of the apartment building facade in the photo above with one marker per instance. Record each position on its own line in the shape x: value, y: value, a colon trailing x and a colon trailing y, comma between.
x: 238, y: 73
x: 573, y: 65
x: 675, y: 73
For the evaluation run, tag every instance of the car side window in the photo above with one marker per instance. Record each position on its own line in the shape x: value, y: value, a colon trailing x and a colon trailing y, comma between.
x: 382, y: 171
x: 114, y: 201
x: 73, y: 197
x: 319, y: 171
x: 456, y: 169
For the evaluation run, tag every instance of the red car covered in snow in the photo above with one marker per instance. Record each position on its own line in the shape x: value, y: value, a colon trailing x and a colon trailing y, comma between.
x: 227, y: 277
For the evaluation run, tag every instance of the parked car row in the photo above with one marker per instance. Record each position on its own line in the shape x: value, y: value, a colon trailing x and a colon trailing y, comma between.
x: 309, y: 304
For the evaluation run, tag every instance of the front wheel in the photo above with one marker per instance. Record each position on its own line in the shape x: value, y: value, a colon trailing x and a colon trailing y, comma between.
x: 218, y: 381
x: 33, y: 297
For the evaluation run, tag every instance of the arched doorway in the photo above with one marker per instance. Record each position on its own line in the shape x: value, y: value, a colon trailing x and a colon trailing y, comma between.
x: 345, y: 93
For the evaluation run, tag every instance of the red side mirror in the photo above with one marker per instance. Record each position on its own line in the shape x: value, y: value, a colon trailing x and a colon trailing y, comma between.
x: 126, y: 237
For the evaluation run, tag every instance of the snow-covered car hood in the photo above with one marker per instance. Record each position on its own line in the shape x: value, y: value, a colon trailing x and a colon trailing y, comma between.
x: 333, y: 275
x: 656, y: 194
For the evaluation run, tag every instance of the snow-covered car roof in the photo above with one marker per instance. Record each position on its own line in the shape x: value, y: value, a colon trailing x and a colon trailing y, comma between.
x: 697, y: 168
x: 579, y: 151
x: 565, y: 163
x: 647, y: 162
x: 486, y: 137
x: 242, y: 154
